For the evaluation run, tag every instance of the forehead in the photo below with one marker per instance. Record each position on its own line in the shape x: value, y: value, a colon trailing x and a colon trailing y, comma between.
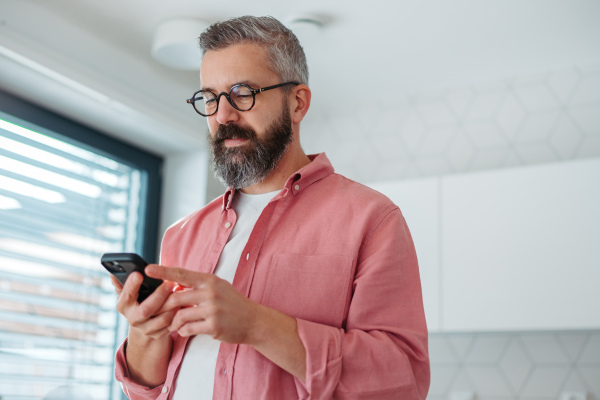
x: 220, y: 69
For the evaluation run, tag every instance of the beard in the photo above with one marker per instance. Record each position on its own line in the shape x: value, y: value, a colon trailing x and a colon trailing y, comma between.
x: 250, y: 163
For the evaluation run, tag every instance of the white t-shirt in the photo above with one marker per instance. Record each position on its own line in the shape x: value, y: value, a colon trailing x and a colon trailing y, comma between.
x: 197, y: 373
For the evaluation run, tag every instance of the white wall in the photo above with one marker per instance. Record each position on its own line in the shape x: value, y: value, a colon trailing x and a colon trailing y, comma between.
x: 184, y: 186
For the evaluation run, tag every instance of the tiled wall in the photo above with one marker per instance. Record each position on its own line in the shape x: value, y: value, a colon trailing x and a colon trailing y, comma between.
x: 543, y: 118
x: 535, y: 366
x: 548, y: 117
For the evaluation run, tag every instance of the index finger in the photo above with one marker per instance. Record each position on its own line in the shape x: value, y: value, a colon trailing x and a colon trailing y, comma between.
x: 118, y: 286
x: 182, y: 276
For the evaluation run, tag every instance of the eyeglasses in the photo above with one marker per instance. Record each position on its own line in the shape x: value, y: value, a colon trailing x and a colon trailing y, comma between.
x: 240, y: 96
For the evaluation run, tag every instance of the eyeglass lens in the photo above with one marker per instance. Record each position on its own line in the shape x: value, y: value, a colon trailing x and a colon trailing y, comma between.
x: 241, y: 96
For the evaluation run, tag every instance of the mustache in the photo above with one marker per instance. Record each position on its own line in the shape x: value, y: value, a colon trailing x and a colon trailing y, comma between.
x: 231, y: 131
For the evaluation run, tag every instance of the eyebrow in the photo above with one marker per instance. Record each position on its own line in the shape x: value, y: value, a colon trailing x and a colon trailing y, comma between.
x: 252, y: 84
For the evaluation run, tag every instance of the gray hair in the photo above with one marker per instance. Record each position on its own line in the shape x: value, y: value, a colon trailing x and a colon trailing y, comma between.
x: 285, y: 54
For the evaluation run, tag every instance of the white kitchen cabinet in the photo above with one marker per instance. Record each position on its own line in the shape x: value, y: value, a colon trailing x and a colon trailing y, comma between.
x: 419, y: 202
x: 521, y: 248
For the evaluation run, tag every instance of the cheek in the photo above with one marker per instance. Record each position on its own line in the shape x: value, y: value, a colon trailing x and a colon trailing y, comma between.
x: 213, y: 125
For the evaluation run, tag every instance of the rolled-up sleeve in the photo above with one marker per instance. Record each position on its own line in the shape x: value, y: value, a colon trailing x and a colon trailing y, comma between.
x: 382, y: 352
x: 133, y: 390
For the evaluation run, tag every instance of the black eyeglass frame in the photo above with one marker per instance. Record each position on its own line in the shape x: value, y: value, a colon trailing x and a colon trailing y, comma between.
x: 254, y: 92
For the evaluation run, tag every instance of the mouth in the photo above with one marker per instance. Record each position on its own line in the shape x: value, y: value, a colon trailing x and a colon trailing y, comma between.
x: 235, y: 142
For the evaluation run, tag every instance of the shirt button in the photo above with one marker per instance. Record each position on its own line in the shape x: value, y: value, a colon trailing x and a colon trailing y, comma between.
x: 224, y: 371
x: 247, y: 256
x: 165, y: 389
x: 297, y: 187
x: 227, y: 224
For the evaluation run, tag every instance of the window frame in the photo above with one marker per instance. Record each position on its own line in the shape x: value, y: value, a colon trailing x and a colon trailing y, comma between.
x: 93, y: 140
x: 100, y: 142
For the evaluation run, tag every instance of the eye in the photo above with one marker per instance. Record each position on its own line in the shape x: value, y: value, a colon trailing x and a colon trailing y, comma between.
x: 241, y: 92
x: 209, y: 99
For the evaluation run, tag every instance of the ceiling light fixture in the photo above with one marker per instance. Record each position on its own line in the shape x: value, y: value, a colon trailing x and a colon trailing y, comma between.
x: 175, y: 43
x: 306, y: 26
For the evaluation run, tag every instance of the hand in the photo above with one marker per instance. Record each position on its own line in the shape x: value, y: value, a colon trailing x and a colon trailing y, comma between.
x: 209, y: 305
x: 149, y: 317
x: 115, y: 282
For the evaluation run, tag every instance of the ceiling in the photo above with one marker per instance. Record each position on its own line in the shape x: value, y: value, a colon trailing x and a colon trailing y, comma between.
x: 90, y: 60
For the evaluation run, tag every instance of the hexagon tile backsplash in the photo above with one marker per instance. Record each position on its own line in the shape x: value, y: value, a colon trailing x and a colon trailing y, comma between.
x: 550, y: 117
x: 530, y: 366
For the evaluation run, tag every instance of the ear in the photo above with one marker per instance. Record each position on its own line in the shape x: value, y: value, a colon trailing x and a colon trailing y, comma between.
x: 300, y: 102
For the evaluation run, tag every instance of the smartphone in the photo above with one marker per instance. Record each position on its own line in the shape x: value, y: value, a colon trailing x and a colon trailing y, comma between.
x: 121, y: 265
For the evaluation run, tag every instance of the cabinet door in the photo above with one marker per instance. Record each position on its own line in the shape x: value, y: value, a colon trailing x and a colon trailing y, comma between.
x: 419, y: 202
x: 521, y: 248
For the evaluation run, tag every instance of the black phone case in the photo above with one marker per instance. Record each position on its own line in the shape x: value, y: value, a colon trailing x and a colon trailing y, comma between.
x: 121, y: 265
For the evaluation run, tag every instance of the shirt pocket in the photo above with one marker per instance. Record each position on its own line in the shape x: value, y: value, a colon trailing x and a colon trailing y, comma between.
x: 314, y: 287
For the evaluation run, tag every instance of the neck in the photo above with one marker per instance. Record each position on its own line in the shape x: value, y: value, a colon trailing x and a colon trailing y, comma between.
x: 293, y: 160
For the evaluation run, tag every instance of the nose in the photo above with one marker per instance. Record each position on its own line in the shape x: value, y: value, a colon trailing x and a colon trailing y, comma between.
x: 226, y: 113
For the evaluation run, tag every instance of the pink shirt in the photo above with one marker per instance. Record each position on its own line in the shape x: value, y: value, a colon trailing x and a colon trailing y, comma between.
x: 339, y: 258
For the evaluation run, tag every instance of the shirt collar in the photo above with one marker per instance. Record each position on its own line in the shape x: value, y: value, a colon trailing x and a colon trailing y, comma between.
x: 319, y: 168
x: 228, y: 198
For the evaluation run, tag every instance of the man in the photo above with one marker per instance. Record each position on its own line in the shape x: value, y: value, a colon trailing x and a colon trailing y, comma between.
x: 298, y: 283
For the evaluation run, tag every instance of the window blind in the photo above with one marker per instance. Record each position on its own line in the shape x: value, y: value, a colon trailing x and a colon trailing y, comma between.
x: 62, y: 206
